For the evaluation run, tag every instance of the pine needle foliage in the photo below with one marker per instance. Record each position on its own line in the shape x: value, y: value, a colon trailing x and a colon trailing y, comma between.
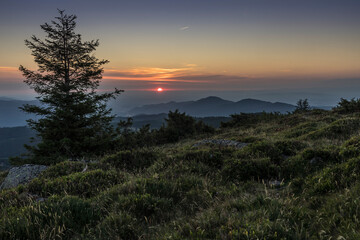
x: 73, y: 118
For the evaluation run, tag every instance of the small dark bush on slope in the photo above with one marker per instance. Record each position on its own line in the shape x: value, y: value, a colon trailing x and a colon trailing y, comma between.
x: 135, y: 159
x: 250, y: 119
x: 81, y: 184
x: 348, y: 106
x: 178, y: 126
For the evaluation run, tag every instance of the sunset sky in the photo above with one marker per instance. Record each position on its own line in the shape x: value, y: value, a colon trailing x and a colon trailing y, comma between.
x: 277, y: 50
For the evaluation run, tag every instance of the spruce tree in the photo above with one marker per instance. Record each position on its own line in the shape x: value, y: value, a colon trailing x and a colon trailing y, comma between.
x: 74, y: 121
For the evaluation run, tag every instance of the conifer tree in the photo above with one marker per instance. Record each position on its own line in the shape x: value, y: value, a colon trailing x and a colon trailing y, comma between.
x: 74, y: 120
x: 302, y: 105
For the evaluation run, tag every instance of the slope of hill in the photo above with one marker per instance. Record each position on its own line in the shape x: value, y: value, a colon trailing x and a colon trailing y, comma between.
x: 214, y: 106
x: 298, y: 177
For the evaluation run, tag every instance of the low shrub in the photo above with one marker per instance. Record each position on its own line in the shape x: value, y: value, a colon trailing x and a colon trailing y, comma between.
x: 340, y: 129
x: 348, y: 106
x: 301, y: 129
x: 179, y: 126
x: 310, y: 161
x: 144, y: 205
x: 249, y: 119
x: 258, y: 218
x: 341, y: 212
x: 261, y: 149
x: 131, y: 159
x: 57, y: 218
x: 212, y: 158
x: 122, y: 225
x: 13, y: 198
x: 82, y: 184
x: 62, y: 169
x: 290, y: 147
x: 334, y: 178
x: 351, y: 148
x: 249, y: 169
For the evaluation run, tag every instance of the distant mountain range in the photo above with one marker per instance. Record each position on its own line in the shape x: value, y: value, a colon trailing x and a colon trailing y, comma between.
x: 11, y: 115
x: 214, y: 106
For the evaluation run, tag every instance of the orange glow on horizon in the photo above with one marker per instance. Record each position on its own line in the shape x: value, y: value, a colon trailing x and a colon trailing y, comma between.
x: 159, y: 89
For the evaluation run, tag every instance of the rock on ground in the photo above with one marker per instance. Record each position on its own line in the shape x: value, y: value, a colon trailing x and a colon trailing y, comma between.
x: 221, y: 142
x: 21, y: 175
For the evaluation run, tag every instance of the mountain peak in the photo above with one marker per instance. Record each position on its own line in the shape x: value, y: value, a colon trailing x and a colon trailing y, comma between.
x: 214, y: 106
x: 212, y: 99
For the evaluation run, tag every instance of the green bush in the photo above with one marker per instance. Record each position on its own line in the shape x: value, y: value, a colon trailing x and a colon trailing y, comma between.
x: 249, y: 169
x: 212, y: 158
x: 13, y: 198
x: 258, y: 218
x: 179, y: 126
x: 250, y: 119
x: 301, y: 129
x: 351, y: 148
x: 340, y: 129
x: 341, y: 212
x: 334, y: 178
x: 261, y: 149
x: 63, y: 169
x: 290, y: 147
x: 57, y: 218
x: 157, y: 198
x: 82, y: 184
x: 135, y: 159
x: 120, y: 225
x: 348, y: 106
x: 310, y: 161
x: 145, y: 205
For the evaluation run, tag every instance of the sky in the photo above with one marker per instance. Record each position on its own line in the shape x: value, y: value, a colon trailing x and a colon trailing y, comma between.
x: 275, y: 50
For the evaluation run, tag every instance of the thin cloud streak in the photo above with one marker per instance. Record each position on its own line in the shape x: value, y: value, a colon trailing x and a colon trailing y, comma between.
x: 8, y: 69
x: 184, y: 28
x: 135, y: 78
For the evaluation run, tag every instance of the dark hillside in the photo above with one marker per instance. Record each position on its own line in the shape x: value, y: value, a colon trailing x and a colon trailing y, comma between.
x: 297, y: 177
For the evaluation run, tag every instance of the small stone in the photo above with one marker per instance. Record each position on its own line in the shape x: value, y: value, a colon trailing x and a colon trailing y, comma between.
x: 315, y: 160
x: 221, y: 142
x: 275, y: 183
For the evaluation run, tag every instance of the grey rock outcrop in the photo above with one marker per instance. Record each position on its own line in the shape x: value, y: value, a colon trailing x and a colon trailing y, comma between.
x: 21, y: 175
x: 221, y: 142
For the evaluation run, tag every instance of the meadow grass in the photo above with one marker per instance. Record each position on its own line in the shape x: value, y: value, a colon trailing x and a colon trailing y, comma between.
x: 177, y: 191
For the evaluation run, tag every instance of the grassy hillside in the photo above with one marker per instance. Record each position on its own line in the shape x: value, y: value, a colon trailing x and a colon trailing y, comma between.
x: 299, y: 178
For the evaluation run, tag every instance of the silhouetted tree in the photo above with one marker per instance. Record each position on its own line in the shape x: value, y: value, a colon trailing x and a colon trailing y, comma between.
x: 302, y: 105
x: 75, y: 121
x: 179, y: 125
x: 348, y: 106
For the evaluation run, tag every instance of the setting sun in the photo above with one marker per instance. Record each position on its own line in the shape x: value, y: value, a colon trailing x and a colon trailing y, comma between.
x: 159, y: 89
